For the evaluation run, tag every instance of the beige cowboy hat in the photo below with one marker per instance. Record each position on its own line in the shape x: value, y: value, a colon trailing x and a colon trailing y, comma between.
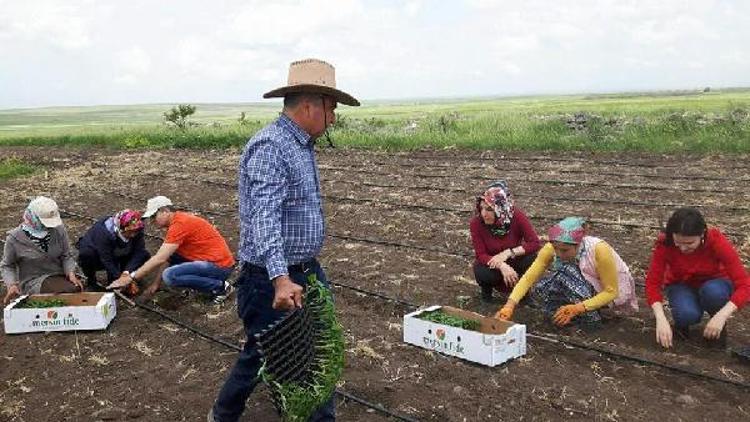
x: 312, y: 76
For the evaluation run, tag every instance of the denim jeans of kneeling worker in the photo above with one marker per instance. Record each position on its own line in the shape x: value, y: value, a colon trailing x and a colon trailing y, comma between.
x: 255, y: 294
x: 688, y: 303
x: 203, y: 276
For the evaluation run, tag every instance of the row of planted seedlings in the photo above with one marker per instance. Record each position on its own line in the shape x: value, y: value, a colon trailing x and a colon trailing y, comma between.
x: 452, y: 176
x: 613, y: 211
x: 78, y: 224
x: 664, y: 167
x: 452, y: 173
x: 599, y: 217
x: 444, y: 241
x: 656, y: 167
x: 293, y: 399
x: 729, y: 201
x: 615, y: 208
x: 460, y: 226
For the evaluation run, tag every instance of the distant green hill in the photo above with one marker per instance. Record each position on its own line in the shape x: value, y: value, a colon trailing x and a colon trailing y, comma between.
x: 696, y: 121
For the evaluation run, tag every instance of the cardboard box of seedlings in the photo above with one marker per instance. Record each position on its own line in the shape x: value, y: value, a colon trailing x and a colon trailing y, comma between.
x: 60, y: 312
x: 492, y: 343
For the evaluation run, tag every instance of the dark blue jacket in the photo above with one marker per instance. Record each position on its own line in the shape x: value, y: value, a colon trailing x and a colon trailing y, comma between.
x: 114, y: 254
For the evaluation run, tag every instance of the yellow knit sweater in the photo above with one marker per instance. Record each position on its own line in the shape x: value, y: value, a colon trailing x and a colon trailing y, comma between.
x: 606, y: 270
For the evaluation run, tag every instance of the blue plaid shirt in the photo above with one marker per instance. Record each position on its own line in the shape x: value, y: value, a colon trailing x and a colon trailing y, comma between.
x: 281, y: 212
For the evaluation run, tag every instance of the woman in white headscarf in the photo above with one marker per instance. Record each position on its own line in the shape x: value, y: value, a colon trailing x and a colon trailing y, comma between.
x: 36, y: 257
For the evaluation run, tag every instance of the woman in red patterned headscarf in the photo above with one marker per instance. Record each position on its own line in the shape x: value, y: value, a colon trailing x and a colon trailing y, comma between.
x: 115, y: 244
x: 505, y: 243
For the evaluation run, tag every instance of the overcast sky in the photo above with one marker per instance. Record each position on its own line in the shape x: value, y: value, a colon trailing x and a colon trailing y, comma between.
x: 81, y: 52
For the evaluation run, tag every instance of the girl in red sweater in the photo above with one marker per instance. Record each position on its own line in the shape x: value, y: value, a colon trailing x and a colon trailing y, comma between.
x: 505, y: 243
x: 701, y: 272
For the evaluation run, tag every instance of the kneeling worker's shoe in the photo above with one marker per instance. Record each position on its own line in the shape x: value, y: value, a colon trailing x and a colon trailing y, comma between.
x: 222, y: 297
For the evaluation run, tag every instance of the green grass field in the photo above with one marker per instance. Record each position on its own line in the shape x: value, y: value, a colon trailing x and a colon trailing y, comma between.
x: 658, y: 122
x: 12, y: 167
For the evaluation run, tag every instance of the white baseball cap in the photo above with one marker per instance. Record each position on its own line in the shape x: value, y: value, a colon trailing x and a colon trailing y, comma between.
x: 153, y: 205
x: 47, y: 211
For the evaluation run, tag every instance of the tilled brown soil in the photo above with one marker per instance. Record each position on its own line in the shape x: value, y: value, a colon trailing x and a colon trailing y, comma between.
x: 397, y: 225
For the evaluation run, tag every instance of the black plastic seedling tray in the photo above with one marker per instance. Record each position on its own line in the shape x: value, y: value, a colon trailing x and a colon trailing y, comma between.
x: 287, y: 346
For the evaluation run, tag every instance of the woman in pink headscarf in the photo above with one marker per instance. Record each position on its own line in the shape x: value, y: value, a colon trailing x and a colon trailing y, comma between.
x: 505, y: 243
x: 115, y: 244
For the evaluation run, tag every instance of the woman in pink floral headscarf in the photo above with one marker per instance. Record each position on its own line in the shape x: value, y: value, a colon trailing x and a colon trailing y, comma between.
x: 505, y: 243
x: 115, y: 244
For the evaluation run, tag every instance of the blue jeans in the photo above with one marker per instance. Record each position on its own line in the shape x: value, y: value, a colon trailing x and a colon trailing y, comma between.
x: 254, y: 299
x: 203, y: 276
x: 688, y: 303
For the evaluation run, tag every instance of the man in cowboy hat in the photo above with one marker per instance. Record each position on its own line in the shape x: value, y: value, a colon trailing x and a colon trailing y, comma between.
x: 281, y: 220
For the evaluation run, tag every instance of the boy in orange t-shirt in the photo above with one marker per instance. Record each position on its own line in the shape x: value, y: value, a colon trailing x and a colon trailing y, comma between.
x: 194, y: 254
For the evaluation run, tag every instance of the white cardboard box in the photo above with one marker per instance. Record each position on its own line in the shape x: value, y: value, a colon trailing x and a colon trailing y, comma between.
x: 83, y: 311
x: 494, y: 343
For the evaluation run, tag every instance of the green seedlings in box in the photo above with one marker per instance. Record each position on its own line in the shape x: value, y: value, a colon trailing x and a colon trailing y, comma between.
x: 41, y: 303
x: 299, y: 400
x: 440, y: 317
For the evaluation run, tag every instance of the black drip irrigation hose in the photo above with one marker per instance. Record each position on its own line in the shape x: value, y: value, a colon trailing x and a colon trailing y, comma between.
x: 547, y: 338
x: 193, y: 210
x: 637, y: 359
x: 571, y: 171
x: 562, y: 182
x: 238, y: 348
x: 373, y: 294
x: 569, y: 342
x: 340, y: 237
x: 659, y: 176
x: 225, y: 343
x: 547, y: 159
x: 399, y: 205
x: 502, y: 159
x: 580, y: 345
x: 399, y: 245
x: 537, y: 196
x: 67, y: 212
x: 530, y: 216
x: 390, y: 243
x: 182, y: 324
x: 373, y: 406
